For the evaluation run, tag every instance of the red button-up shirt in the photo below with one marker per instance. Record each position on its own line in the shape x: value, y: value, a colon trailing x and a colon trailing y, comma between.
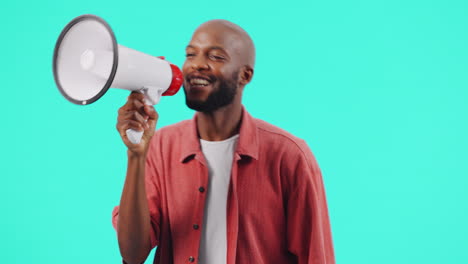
x: 276, y: 207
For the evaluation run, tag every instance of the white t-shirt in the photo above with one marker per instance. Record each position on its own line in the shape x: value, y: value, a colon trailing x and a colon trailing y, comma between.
x: 219, y: 156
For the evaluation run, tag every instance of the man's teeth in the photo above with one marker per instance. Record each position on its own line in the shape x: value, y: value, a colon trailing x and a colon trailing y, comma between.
x: 198, y: 81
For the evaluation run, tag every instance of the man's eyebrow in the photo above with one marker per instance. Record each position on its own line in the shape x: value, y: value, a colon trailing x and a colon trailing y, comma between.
x: 216, y: 48
x: 211, y: 48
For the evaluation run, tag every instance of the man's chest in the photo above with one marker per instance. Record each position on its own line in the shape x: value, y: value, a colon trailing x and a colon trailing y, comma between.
x: 255, y: 191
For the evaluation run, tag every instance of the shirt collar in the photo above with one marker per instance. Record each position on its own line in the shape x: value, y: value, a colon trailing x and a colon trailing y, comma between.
x: 247, y: 144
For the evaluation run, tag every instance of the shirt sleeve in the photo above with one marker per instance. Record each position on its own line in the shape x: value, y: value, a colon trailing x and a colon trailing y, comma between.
x: 153, y: 195
x: 308, y: 225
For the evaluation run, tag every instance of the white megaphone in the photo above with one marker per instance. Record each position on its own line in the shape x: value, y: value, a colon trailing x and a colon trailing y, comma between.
x: 88, y: 61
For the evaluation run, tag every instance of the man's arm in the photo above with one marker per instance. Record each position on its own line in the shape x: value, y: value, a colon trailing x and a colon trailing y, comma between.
x: 134, y: 225
x: 134, y: 230
x: 308, y: 229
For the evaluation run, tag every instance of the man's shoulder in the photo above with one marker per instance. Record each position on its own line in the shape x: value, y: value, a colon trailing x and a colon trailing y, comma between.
x: 275, y: 142
x: 272, y: 136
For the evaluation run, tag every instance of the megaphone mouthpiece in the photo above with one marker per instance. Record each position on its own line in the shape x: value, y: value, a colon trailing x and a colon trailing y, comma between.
x: 177, y: 80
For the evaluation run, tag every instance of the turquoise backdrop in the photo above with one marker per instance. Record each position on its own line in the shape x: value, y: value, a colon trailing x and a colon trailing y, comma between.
x: 378, y: 89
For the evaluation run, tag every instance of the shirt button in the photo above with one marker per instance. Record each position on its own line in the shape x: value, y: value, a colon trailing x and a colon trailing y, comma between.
x: 195, y: 226
x: 191, y: 259
x: 201, y: 189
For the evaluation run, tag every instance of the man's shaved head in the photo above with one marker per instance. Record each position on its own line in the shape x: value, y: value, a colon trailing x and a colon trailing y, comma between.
x: 243, y: 44
x: 220, y: 61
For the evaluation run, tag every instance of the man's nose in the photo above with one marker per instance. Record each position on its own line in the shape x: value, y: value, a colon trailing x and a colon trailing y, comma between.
x: 199, y: 63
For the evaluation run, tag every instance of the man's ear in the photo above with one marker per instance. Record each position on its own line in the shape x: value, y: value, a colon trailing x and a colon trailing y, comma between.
x: 246, y: 75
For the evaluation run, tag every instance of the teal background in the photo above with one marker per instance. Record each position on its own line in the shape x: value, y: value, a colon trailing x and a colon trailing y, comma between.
x: 378, y: 89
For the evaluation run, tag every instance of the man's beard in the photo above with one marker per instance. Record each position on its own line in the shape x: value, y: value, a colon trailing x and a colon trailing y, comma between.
x: 218, y: 98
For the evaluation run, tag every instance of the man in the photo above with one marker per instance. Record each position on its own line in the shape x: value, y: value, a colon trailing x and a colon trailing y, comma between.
x: 224, y: 187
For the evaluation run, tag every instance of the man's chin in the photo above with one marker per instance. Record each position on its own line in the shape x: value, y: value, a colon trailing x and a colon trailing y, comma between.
x: 197, y: 105
x: 208, y: 102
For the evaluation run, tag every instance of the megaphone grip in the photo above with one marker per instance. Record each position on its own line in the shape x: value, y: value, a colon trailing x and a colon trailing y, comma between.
x: 134, y: 136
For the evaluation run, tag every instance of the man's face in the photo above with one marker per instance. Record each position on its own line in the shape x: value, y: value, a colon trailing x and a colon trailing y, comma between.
x: 210, y: 72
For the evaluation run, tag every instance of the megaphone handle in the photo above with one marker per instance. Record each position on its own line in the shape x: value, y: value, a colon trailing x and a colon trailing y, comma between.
x: 134, y: 136
x: 152, y: 96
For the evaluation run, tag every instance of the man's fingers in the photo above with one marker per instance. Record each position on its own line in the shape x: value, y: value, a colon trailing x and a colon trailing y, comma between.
x: 138, y: 116
x: 131, y: 106
x: 125, y: 108
x: 129, y: 124
x: 152, y: 117
x: 149, y: 110
x: 151, y: 125
x: 132, y: 115
x: 139, y: 104
x: 136, y: 95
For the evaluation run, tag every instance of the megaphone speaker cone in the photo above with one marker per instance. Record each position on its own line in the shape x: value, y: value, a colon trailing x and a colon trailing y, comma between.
x: 85, y: 59
x: 88, y: 61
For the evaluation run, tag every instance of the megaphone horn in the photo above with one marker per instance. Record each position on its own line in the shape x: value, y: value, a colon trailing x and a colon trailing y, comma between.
x: 88, y: 61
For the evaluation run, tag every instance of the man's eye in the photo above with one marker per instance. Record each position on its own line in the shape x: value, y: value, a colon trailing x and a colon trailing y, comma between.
x: 217, y: 57
x: 189, y: 55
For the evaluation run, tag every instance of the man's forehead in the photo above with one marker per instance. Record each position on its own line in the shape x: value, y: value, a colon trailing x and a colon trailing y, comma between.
x: 215, y: 39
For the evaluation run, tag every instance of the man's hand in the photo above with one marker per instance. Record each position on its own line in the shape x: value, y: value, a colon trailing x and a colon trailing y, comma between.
x: 135, y: 114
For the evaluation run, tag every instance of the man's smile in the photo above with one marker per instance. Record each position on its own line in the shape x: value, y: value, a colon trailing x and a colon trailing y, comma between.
x: 199, y: 82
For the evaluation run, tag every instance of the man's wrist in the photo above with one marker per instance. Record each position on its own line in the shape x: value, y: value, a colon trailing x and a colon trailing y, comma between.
x: 136, y: 155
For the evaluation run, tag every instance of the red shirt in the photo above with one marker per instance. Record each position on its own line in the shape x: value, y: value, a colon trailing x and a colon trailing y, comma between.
x: 276, y: 207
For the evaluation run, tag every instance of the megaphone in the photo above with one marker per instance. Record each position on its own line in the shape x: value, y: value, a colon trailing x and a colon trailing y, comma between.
x: 88, y: 61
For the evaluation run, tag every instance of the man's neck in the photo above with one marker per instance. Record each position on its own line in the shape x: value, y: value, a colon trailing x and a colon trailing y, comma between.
x: 220, y: 124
